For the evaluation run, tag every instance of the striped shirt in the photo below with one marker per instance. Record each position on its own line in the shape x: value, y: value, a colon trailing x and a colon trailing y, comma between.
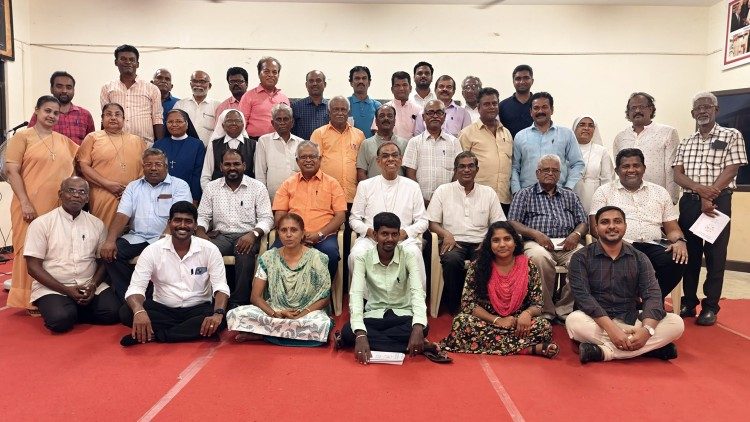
x: 555, y: 216
x: 705, y: 159
x: 142, y: 104
x: 603, y: 286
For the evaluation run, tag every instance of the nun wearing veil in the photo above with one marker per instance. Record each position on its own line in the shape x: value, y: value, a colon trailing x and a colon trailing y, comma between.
x: 599, y: 169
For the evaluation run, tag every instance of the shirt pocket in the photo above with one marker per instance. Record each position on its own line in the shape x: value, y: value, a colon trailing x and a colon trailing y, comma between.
x: 715, y: 157
x: 162, y: 207
x: 323, y: 199
x: 479, y: 217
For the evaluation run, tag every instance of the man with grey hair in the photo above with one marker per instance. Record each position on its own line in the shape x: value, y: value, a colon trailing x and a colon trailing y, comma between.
x: 163, y: 80
x: 313, y: 186
x: 339, y: 144
x: 144, y: 208
x: 706, y: 166
x: 456, y: 117
x: 470, y: 87
x: 199, y: 107
x: 311, y: 112
x: 256, y: 104
x: 385, y: 120
x: 554, y: 220
x: 275, y: 152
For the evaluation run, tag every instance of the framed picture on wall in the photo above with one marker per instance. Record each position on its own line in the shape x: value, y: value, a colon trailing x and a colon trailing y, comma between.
x: 6, y: 31
x: 736, y: 51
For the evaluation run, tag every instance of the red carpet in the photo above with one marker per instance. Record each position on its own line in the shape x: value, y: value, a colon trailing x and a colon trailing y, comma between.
x: 86, y: 375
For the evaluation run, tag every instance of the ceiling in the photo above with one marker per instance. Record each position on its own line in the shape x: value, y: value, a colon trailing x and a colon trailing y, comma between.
x: 514, y: 2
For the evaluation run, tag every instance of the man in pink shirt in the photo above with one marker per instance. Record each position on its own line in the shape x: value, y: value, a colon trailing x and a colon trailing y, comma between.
x: 256, y: 104
x: 237, y: 78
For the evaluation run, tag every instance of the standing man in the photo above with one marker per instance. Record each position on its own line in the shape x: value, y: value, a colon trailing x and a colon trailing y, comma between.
x: 190, y: 286
x: 470, y: 87
x: 144, y: 208
x: 163, y: 80
x: 144, y: 115
x: 362, y: 107
x: 202, y: 111
x: 515, y: 111
x: 492, y: 144
x: 339, y: 144
x: 69, y: 285
x: 312, y: 112
x: 658, y: 142
x: 609, y: 279
x: 75, y: 122
x: 275, y: 153
x: 429, y: 156
x: 406, y: 111
x: 423, y: 81
x: 256, y: 104
x: 235, y: 214
x: 460, y: 213
x: 554, y: 219
x: 237, y: 78
x: 542, y: 138
x: 706, y: 167
x: 456, y: 117
x: 367, y: 158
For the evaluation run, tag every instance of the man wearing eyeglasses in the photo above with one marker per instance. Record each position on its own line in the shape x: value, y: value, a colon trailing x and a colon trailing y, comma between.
x: 658, y: 142
x: 456, y: 117
x: 256, y: 103
x: 144, y: 208
x: 541, y: 138
x: 470, y: 87
x: 237, y: 78
x: 202, y: 111
x: 460, y: 213
x: 61, y: 252
x: 553, y: 221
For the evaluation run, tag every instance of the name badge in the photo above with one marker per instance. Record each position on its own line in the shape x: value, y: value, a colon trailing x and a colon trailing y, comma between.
x: 718, y: 145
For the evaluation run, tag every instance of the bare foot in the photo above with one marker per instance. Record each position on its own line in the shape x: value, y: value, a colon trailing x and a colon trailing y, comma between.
x: 243, y: 337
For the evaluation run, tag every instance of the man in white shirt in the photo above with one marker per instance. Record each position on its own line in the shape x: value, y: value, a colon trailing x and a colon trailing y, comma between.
x: 61, y: 252
x: 649, y: 211
x: 188, y: 275
x: 470, y: 87
x: 429, y: 156
x: 202, y: 111
x: 275, y: 154
x: 389, y: 192
x: 237, y: 211
x: 658, y: 142
x: 460, y: 213
x: 422, y: 81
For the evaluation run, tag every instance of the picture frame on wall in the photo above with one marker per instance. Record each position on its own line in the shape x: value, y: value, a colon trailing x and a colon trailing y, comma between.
x: 737, y: 36
x: 7, y: 51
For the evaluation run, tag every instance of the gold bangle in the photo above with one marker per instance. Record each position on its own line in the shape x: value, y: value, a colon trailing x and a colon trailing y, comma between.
x: 138, y: 312
x: 494, y: 321
x: 360, y: 335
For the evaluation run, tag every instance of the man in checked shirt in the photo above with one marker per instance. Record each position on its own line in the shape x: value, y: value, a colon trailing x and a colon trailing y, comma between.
x: 706, y: 167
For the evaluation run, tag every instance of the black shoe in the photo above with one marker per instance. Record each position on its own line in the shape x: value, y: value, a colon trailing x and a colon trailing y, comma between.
x: 664, y: 353
x: 686, y: 312
x: 588, y: 352
x: 707, y: 317
x: 128, y: 341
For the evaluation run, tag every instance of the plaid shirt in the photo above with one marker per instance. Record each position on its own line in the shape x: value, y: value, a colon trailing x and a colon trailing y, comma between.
x: 603, y: 286
x: 705, y: 159
x: 555, y: 216
x: 75, y: 124
x: 308, y: 116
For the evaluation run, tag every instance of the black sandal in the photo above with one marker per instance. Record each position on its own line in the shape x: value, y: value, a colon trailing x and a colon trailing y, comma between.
x: 337, y: 342
x: 549, y: 350
x: 437, y: 355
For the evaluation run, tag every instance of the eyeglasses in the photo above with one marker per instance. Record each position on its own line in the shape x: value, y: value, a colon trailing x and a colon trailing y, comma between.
x: 639, y: 107
x: 472, y: 87
x: 704, y: 107
x: 236, y: 82
x: 307, y: 157
x: 233, y: 121
x: 435, y: 113
x: 199, y: 81
x: 157, y: 165
x: 385, y: 155
x: 74, y: 191
x: 470, y: 166
x: 549, y: 171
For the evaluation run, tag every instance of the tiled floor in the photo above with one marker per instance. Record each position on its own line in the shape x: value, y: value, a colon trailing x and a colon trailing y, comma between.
x: 736, y: 285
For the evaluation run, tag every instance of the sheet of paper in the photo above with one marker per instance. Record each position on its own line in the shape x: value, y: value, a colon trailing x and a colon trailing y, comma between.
x: 709, y: 228
x: 389, y: 358
x: 558, y: 242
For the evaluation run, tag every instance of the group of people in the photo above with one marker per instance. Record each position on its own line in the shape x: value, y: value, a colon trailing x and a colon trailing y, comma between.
x: 498, y: 182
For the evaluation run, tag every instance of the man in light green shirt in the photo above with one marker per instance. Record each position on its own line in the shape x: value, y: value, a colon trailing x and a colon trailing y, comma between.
x: 395, y: 316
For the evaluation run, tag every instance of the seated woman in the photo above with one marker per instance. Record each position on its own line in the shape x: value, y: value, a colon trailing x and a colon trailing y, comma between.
x: 185, y: 151
x: 290, y: 293
x: 501, y: 302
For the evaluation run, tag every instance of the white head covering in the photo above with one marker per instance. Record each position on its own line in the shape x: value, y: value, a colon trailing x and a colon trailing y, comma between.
x: 219, y: 131
x: 596, y: 138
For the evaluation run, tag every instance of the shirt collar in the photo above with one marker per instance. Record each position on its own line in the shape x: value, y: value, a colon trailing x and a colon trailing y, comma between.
x: 318, y: 175
x: 169, y: 245
x: 258, y: 89
x: 245, y: 181
x: 538, y: 190
x: 354, y: 99
x: 627, y: 249
x: 228, y: 138
x: 179, y: 138
x: 330, y: 127
x: 552, y: 127
x: 620, y: 186
x: 308, y: 100
x: 167, y: 180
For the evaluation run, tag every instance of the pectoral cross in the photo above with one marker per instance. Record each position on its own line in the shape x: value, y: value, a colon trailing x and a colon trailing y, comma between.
x: 53, y: 155
x: 171, y: 164
x: 122, y: 166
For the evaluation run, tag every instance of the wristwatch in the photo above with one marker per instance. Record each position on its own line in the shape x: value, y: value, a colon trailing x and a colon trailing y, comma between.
x: 649, y: 329
x: 680, y: 239
x: 220, y: 311
x: 256, y: 233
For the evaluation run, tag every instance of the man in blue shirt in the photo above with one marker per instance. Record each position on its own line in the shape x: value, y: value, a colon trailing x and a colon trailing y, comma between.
x: 515, y: 110
x: 312, y: 112
x: 542, y: 138
x: 363, y: 108
x: 144, y: 207
x: 553, y: 222
x: 163, y: 81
